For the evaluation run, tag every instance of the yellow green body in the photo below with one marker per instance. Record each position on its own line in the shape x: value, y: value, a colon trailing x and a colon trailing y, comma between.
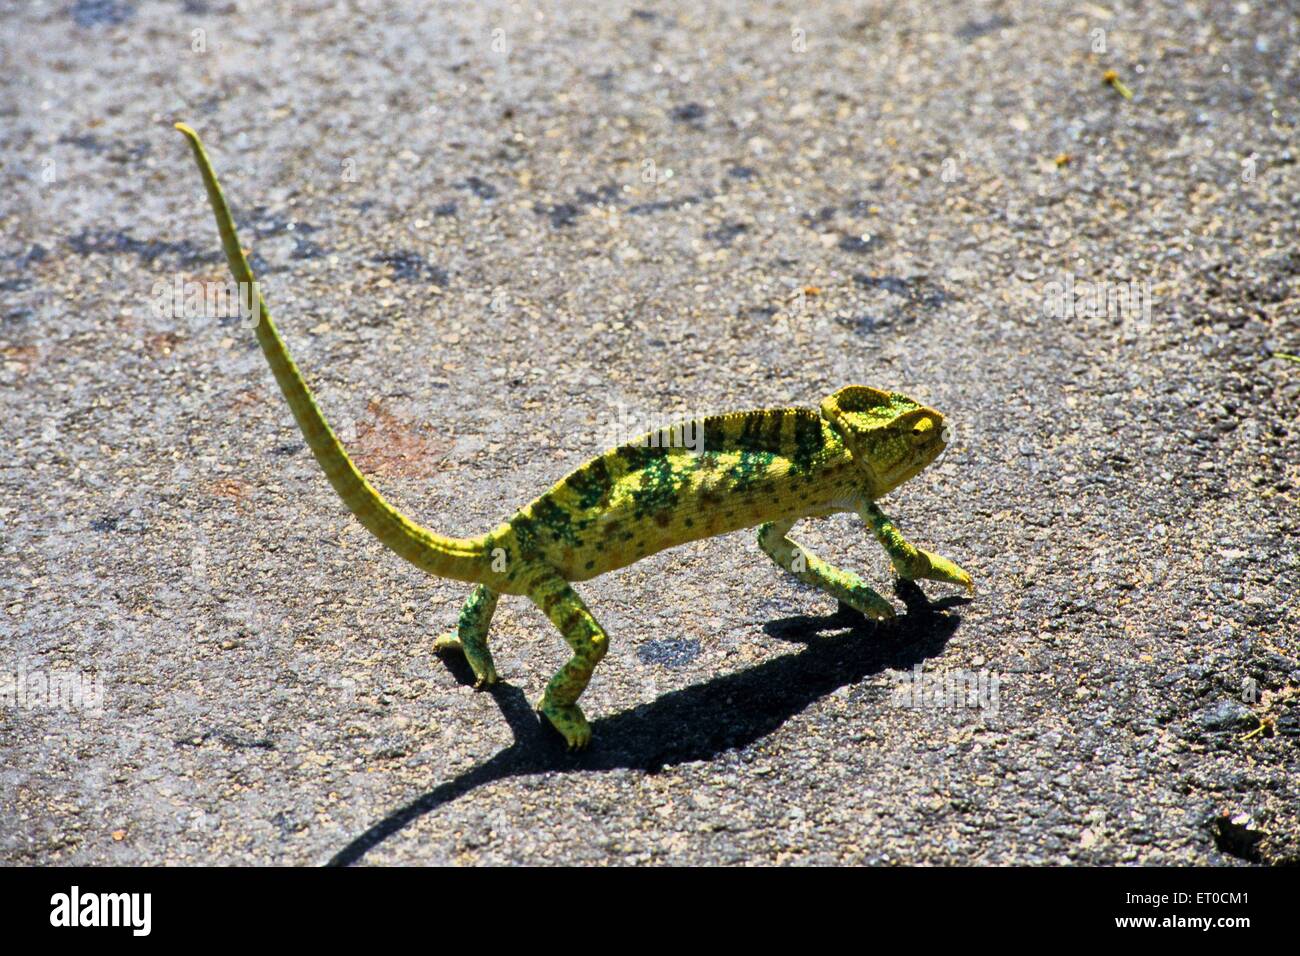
x: 768, y: 468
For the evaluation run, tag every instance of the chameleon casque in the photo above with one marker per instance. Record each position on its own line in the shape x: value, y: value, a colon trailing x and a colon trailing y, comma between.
x: 769, y: 467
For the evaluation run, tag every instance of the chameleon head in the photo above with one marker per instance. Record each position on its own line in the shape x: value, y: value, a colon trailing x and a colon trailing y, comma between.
x: 890, y: 437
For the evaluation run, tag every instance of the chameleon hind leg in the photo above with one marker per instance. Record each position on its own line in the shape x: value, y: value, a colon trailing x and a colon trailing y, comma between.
x: 911, y: 562
x: 808, y: 568
x: 471, y: 635
x: 561, y: 604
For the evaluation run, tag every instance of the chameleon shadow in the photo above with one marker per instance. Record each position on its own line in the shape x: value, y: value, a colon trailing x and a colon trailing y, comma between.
x: 704, y: 720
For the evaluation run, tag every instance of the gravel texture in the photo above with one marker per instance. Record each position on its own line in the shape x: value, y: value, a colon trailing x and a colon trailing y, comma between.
x: 483, y: 229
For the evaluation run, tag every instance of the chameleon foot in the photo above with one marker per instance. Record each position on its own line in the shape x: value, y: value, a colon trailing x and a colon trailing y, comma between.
x: 485, y: 672
x: 866, y: 601
x: 447, y: 642
x: 941, y: 569
x: 568, y: 720
x: 933, y: 567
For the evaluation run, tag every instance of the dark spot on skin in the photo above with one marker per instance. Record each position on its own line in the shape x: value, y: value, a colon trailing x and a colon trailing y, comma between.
x: 751, y: 432
x: 690, y: 522
x: 557, y: 520
x: 660, y: 486
x: 591, y: 484
x: 775, y: 426
x: 750, y: 469
x: 525, y: 533
x: 637, y: 457
x: 590, y: 564
x: 808, y: 440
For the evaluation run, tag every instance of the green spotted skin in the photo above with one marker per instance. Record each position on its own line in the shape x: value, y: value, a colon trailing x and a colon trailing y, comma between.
x: 637, y: 500
x: 766, y: 468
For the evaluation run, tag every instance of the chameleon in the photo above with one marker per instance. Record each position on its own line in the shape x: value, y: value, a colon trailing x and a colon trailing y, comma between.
x: 766, y: 468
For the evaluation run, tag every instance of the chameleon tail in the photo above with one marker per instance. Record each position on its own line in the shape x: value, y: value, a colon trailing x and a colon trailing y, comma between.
x: 464, y: 559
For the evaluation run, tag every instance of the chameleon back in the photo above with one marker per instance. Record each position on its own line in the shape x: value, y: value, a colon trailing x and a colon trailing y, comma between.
x: 653, y: 493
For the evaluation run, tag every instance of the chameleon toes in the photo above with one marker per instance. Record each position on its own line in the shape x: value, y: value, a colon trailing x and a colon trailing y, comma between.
x: 447, y: 642
x: 960, y: 577
x: 477, y: 655
x: 569, y: 721
x: 952, y: 573
x: 869, y: 603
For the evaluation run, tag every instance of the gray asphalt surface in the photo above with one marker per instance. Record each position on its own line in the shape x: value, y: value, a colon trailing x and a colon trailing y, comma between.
x: 480, y: 244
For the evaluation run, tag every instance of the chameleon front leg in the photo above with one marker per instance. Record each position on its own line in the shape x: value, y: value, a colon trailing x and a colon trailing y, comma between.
x: 807, y: 567
x: 559, y: 602
x: 471, y: 635
x: 911, y: 562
